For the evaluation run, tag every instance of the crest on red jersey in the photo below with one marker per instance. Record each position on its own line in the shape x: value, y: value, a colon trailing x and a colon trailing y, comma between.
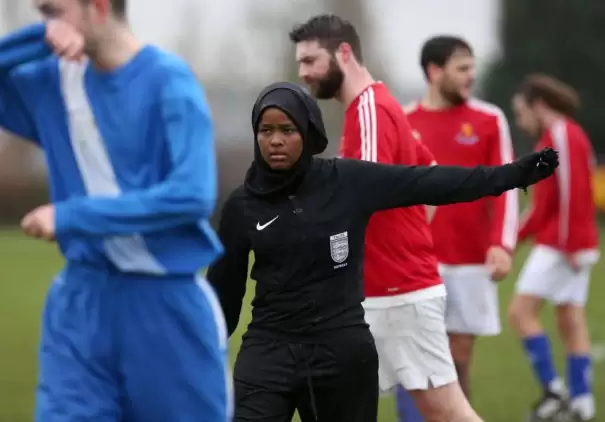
x: 467, y: 135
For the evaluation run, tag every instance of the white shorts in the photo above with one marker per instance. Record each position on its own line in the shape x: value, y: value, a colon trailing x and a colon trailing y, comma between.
x: 472, y: 300
x: 546, y: 274
x: 413, y: 347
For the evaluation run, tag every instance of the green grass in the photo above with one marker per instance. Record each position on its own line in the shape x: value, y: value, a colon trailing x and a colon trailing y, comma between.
x: 503, y: 387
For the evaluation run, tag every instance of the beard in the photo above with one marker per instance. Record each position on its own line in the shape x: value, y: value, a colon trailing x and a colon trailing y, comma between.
x: 329, y: 85
x: 452, y: 96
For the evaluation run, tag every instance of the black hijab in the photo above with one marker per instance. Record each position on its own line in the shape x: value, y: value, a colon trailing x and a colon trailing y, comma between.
x: 304, y: 112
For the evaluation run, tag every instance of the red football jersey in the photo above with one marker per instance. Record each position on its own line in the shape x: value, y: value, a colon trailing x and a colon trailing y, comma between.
x: 472, y: 134
x: 399, y: 256
x: 423, y: 155
x: 563, y: 212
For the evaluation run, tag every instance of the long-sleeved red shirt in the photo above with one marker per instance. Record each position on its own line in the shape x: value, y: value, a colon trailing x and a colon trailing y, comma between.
x: 562, y: 213
x: 471, y: 134
x: 399, y: 254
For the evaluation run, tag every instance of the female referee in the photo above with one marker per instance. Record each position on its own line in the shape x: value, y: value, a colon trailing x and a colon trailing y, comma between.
x: 308, y: 347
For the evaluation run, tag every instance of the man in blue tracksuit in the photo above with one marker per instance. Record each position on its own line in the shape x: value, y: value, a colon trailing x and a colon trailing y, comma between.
x: 129, y: 333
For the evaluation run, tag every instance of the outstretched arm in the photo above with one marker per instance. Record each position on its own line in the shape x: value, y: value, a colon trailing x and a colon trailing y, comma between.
x: 229, y: 274
x: 382, y: 187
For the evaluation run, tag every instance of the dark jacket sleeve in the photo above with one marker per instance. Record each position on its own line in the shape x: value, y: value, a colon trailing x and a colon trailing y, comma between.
x: 380, y: 187
x: 229, y: 274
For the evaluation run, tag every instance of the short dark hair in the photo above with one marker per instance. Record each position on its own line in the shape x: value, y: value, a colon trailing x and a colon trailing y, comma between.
x: 329, y: 31
x: 556, y: 94
x: 438, y: 50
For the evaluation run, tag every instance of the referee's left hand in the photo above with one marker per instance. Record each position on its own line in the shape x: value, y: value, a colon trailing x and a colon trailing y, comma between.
x: 537, y: 166
x: 40, y: 223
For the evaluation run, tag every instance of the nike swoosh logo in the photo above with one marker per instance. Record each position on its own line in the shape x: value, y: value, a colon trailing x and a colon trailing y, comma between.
x: 260, y: 227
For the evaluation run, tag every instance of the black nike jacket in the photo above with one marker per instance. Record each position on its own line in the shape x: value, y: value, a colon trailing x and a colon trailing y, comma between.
x: 308, y: 247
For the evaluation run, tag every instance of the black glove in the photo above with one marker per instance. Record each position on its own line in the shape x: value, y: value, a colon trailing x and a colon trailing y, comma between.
x: 537, y: 166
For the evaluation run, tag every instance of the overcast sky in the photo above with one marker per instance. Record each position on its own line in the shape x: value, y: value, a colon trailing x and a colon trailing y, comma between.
x: 403, y: 26
x: 233, y: 42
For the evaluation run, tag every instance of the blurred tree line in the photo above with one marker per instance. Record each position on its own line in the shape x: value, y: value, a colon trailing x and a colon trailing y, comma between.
x: 555, y: 36
x: 560, y: 37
